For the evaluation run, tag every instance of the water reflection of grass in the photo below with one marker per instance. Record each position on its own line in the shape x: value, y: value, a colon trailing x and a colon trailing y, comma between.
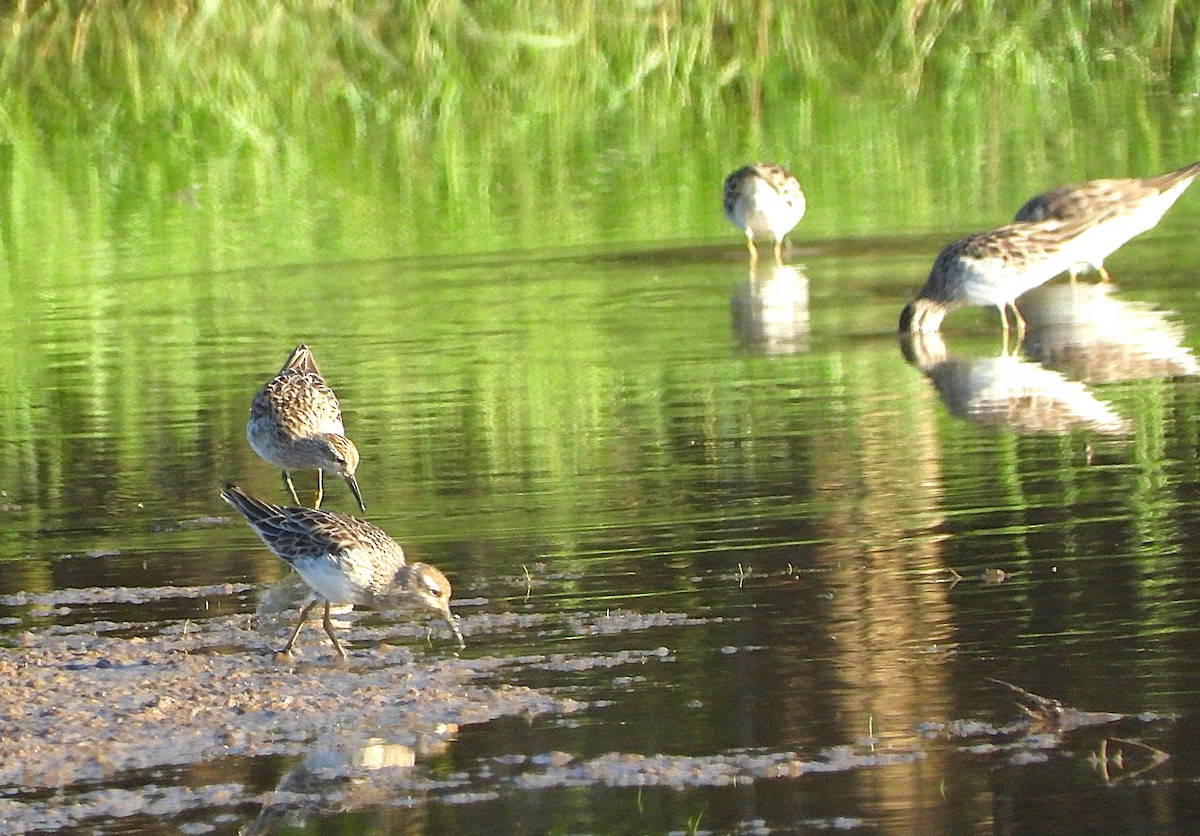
x: 321, y: 133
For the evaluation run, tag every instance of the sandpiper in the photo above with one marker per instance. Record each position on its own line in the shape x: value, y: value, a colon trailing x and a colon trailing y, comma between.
x: 764, y: 199
x: 993, y: 268
x: 344, y: 560
x: 296, y: 424
x: 1135, y: 204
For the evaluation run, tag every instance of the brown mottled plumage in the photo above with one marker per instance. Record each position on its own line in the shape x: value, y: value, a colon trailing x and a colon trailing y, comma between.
x: 993, y: 268
x: 343, y: 559
x: 296, y: 424
x: 764, y: 199
x: 1134, y: 205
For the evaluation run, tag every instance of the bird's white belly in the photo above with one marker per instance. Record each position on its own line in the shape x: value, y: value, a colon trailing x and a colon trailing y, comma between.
x: 770, y: 213
x: 986, y: 281
x: 1110, y: 236
x: 995, y: 281
x: 329, y: 581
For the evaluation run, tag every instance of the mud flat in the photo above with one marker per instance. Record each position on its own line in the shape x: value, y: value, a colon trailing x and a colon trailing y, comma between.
x: 88, y: 706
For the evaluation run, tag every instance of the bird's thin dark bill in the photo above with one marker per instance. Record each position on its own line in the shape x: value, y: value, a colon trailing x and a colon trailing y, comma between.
x: 353, y: 483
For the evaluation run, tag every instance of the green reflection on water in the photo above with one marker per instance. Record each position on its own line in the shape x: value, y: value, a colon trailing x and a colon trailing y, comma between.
x: 174, y: 216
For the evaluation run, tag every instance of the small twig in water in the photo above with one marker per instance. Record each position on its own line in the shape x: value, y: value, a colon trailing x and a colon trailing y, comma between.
x: 528, y: 581
x: 743, y: 573
x: 1101, y: 759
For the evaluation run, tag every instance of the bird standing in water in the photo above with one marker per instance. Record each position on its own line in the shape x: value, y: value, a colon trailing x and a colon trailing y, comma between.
x: 764, y: 199
x: 296, y: 424
x: 993, y: 268
x: 344, y: 560
x: 1136, y: 204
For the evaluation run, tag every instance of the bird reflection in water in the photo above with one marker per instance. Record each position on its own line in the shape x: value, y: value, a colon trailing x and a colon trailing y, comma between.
x: 1009, y: 391
x: 1088, y: 333
x: 340, y: 775
x: 770, y: 310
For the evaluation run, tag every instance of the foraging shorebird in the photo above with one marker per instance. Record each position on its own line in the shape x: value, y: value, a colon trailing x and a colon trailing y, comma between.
x: 993, y: 268
x: 296, y: 424
x: 1136, y: 205
x: 343, y: 560
x: 764, y: 199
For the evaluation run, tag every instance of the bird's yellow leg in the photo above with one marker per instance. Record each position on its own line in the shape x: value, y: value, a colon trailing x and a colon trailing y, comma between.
x: 753, y: 249
x: 287, y: 480
x: 329, y: 629
x: 1020, y: 322
x: 287, y: 648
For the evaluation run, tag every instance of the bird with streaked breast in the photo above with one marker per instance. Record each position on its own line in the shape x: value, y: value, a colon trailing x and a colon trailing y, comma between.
x: 344, y: 560
x: 993, y: 268
x: 296, y: 424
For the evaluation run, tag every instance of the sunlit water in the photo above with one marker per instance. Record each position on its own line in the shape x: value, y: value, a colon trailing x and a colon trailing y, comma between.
x: 776, y: 553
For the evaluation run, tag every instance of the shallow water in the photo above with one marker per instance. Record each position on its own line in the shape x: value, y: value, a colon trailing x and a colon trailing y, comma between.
x: 729, y: 557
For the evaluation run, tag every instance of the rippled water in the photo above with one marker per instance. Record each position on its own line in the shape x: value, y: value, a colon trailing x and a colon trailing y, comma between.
x: 772, y: 556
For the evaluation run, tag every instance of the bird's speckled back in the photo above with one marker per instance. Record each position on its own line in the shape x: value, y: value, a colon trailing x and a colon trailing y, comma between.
x: 298, y: 401
x: 296, y: 534
x: 1152, y: 195
x: 990, y: 268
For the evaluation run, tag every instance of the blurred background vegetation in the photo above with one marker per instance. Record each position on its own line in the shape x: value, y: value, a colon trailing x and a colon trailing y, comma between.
x: 267, y: 74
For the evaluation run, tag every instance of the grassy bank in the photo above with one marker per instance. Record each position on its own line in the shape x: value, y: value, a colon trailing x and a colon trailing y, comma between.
x: 457, y: 127
x: 267, y: 74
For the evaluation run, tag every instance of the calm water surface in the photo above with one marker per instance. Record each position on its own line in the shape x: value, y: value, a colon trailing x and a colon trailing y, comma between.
x: 739, y: 520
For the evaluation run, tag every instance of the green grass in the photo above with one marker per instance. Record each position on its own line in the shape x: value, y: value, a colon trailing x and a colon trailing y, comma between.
x: 440, y: 117
x: 269, y: 74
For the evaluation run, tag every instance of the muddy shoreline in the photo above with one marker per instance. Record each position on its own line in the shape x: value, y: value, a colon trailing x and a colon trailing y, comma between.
x: 110, y: 720
x: 88, y: 703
